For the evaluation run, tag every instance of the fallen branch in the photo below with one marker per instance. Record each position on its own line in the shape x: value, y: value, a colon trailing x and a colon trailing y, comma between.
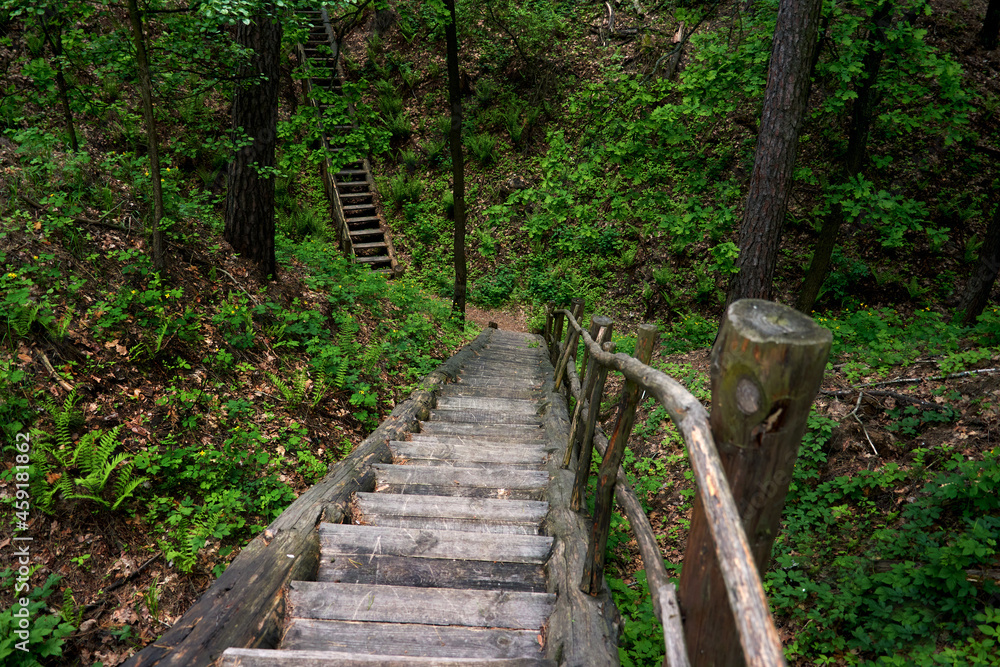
x: 83, y: 221
x: 950, y: 376
x: 854, y: 413
x: 970, y: 575
x: 889, y: 394
x: 58, y: 378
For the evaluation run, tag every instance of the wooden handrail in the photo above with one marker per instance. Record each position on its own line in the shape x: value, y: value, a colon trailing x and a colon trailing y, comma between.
x: 758, y: 636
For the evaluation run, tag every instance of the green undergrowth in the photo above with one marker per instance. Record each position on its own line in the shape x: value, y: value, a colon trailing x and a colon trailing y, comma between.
x: 237, y: 394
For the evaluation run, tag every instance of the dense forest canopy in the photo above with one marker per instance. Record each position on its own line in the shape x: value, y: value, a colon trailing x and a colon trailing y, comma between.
x: 186, y: 348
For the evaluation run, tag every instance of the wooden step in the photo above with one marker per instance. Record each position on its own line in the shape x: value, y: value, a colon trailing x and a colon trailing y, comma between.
x: 468, y: 482
x: 411, y: 639
x: 485, y: 443
x: 368, y: 603
x: 361, y: 222
x: 433, y: 572
x: 466, y: 391
x: 357, y: 208
x: 507, y: 433
x: 368, y: 541
x: 371, y: 246
x: 482, y: 416
x: 375, y: 259
x: 477, y: 515
x: 472, y: 403
x: 479, y: 455
x: 365, y: 233
x: 259, y: 657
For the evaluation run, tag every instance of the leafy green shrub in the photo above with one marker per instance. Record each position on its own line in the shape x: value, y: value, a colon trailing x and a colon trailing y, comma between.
x: 641, y: 642
x: 27, y: 633
x: 888, y: 587
x: 690, y: 332
x: 495, y: 290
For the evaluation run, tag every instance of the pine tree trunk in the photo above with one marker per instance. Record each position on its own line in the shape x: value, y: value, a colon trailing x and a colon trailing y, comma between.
x: 249, y: 225
x: 146, y: 91
x: 457, y: 164
x: 991, y: 26
x: 857, y: 141
x: 785, y: 101
x: 977, y: 291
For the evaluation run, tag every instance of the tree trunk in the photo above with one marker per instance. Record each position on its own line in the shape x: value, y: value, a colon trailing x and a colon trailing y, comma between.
x: 991, y: 26
x: 457, y: 163
x: 784, y: 109
x: 146, y: 90
x: 862, y: 113
x: 977, y: 291
x: 250, y: 193
x: 53, y: 36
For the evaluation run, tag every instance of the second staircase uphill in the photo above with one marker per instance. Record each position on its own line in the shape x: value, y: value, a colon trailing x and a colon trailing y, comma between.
x: 445, y: 563
x: 362, y: 231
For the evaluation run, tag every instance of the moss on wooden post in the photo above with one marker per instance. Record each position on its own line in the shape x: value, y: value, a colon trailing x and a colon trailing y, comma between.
x: 767, y: 365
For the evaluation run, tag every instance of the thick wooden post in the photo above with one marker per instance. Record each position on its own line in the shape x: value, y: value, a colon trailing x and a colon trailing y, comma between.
x: 767, y: 365
x: 600, y: 332
x: 572, y: 338
x: 587, y: 443
x: 593, y: 573
x: 557, y: 328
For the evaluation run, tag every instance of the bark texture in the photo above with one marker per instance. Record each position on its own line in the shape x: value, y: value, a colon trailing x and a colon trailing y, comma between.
x: 977, y: 291
x: 457, y: 163
x: 250, y: 194
x: 991, y: 26
x: 785, y: 101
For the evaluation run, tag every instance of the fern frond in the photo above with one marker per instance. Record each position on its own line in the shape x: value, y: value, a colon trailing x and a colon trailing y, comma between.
x: 124, y: 489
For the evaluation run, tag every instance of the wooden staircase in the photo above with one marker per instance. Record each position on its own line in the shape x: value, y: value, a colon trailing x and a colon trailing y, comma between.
x: 444, y: 563
x: 362, y: 231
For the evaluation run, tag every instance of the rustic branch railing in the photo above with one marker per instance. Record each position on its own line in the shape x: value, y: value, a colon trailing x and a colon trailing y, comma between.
x: 766, y: 369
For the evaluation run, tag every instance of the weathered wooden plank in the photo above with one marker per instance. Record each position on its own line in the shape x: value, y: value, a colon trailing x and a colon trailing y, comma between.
x: 446, y: 523
x: 346, y: 540
x: 232, y: 613
x: 452, y: 481
x: 439, y: 572
x: 463, y: 416
x: 511, y: 432
x: 330, y: 601
x: 465, y: 390
x: 513, y: 406
x: 499, y: 381
x: 464, y: 463
x: 253, y: 657
x: 482, y: 509
x: 406, y: 639
x: 486, y: 444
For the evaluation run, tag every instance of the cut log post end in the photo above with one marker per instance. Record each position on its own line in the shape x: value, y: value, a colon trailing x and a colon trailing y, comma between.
x: 767, y: 365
